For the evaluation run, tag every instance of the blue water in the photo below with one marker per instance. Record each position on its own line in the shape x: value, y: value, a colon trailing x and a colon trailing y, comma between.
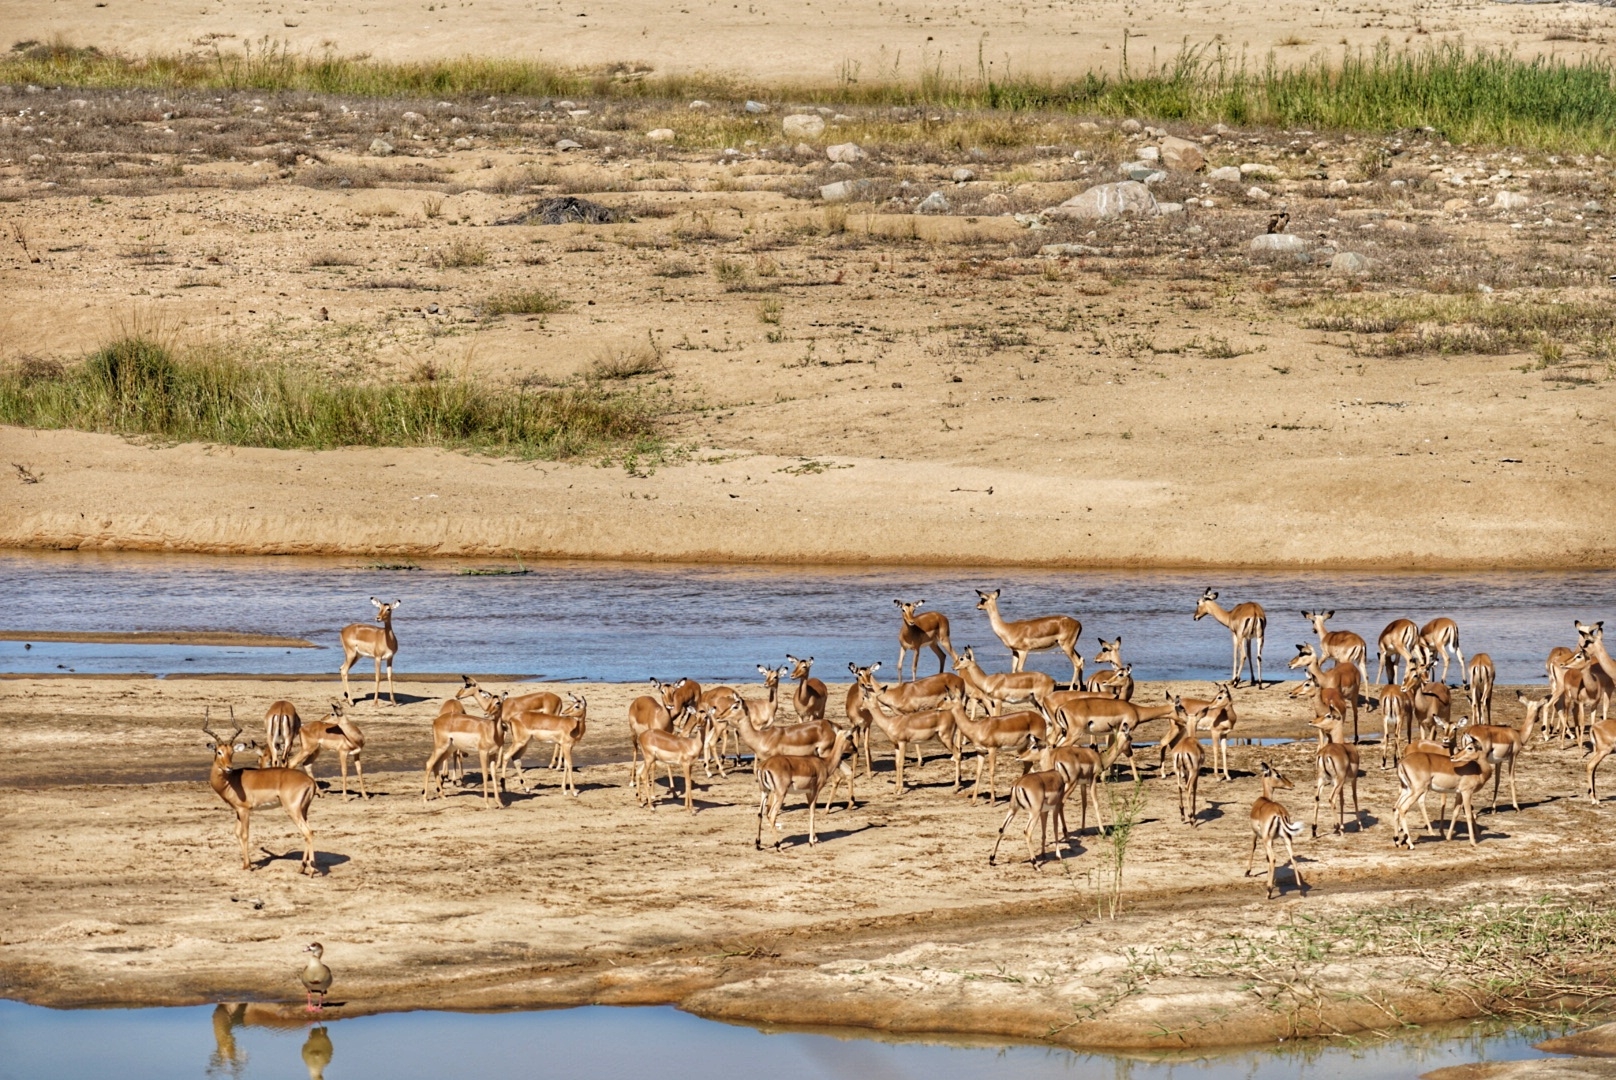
x: 627, y: 622
x: 632, y: 1044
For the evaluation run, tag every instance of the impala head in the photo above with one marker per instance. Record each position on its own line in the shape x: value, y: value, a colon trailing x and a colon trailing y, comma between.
x: 800, y: 667
x: 1275, y: 778
x: 771, y: 676
x: 908, y: 607
x: 1318, y: 619
x: 384, y: 612
x: 966, y: 658
x: 985, y: 600
x: 864, y: 676
x: 1208, y: 598
x: 1110, y: 651
x: 1589, y: 635
x: 1120, y: 679
x: 1304, y: 656
x: 224, y: 747
x: 1468, y: 750
x: 576, y: 705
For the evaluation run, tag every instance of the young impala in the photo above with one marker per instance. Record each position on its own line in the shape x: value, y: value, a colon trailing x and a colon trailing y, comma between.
x: 377, y: 642
x: 1270, y: 821
x: 244, y: 790
x: 927, y: 629
x: 1034, y: 635
x: 1247, y: 623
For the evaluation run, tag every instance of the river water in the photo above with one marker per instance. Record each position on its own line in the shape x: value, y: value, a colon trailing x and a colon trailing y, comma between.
x: 609, y: 622
x: 601, y: 1043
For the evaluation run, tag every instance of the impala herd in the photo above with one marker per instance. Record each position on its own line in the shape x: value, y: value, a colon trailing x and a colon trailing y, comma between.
x: 1069, y: 739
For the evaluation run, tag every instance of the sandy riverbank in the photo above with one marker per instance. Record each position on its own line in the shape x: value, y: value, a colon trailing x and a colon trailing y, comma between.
x: 125, y: 889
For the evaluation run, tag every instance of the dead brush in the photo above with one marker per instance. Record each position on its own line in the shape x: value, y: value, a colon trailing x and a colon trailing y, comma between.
x: 332, y: 258
x: 615, y: 362
x: 461, y: 254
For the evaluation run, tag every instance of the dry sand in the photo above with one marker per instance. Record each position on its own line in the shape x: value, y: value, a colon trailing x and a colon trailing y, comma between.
x: 818, y: 42
x: 123, y: 886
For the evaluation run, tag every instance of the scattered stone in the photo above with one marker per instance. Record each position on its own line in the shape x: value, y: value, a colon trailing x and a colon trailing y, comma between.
x: 464, y: 143
x: 1398, y: 226
x: 996, y: 202
x: 413, y: 118
x: 1337, y: 186
x: 846, y: 153
x: 564, y: 105
x: 578, y: 114
x: 1453, y: 206
x: 1066, y: 251
x: 1150, y: 154
x: 756, y: 107
x: 1030, y: 221
x: 1144, y: 174
x: 1351, y: 262
x: 565, y: 210
x: 844, y: 190
x: 963, y: 176
x: 802, y: 149
x: 1170, y: 207
x: 1182, y: 155
x: 1593, y: 206
x: 1279, y: 244
x: 841, y: 118
x: 699, y: 104
x: 660, y: 135
x: 568, y: 144
x: 1228, y: 174
x: 1106, y: 201
x: 1259, y: 171
x: 803, y: 126
x: 1256, y: 193
x: 1089, y: 126
x: 381, y: 147
x: 1131, y: 126
x: 933, y: 204
x: 1510, y: 200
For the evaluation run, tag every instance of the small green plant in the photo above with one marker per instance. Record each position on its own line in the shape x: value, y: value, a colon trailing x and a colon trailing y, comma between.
x: 731, y: 273
x: 1126, y: 805
x: 770, y: 311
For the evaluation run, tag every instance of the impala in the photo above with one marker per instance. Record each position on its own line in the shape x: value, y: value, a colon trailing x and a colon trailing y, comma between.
x: 1343, y: 678
x: 1186, y: 753
x: 860, y: 711
x: 782, y: 774
x: 1247, y: 623
x: 1034, y: 635
x: 342, y: 737
x: 1479, y: 677
x: 1337, y: 762
x: 810, y: 696
x: 679, y: 698
x: 1083, y: 769
x: 1043, y: 796
x: 247, y: 789
x: 928, y: 629
x: 1119, y: 675
x: 664, y: 748
x: 1503, y: 745
x: 1342, y: 646
x: 905, y: 729
x: 1440, y: 635
x: 377, y: 642
x: 1011, y: 731
x: 468, y: 734
x: 645, y: 713
x: 1398, y: 642
x: 1000, y: 689
x: 564, y: 728
x: 1462, y: 774
x: 1216, y: 716
x: 281, y: 725
x: 1396, y: 714
x: 1270, y: 821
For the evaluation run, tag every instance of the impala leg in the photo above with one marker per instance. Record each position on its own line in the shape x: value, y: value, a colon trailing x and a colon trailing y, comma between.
x: 342, y: 760
x: 941, y: 663
x: 1252, y: 860
x: 689, y: 794
x: 1338, y: 798
x: 902, y: 752
x: 243, y: 828
x: 1513, y: 798
x: 376, y: 698
x: 1318, y: 794
x: 1257, y: 661
x: 1296, y: 871
x: 763, y: 806
x: 813, y: 797
x: 348, y: 660
x: 391, y: 696
x: 1043, y: 838
x: 1005, y: 825
x: 1273, y: 866
x: 1239, y: 659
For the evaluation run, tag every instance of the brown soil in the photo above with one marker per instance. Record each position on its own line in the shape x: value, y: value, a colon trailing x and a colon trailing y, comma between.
x: 123, y: 886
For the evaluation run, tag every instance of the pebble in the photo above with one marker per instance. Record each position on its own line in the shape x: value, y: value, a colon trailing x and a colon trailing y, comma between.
x: 1510, y: 200
x: 803, y: 126
x: 413, y: 117
x: 934, y: 203
x: 1228, y: 174
x: 660, y: 134
x: 1256, y: 193
x: 562, y: 144
x: 963, y: 176
x: 1182, y: 155
x: 1336, y: 186
x: 462, y: 143
x: 756, y: 107
x: 1259, y: 170
x: 1131, y: 126
x: 846, y: 153
x: 1279, y: 243
x: 1150, y: 154
x: 381, y: 147
x: 699, y: 104
x: 844, y: 190
x: 1351, y: 262
x: 1067, y: 251
x: 1106, y: 201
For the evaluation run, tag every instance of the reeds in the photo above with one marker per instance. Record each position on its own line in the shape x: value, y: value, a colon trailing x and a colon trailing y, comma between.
x: 1468, y: 95
x: 139, y: 386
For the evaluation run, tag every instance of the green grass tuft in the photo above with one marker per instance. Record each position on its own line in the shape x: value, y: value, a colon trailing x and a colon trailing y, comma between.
x: 523, y: 302
x: 138, y: 386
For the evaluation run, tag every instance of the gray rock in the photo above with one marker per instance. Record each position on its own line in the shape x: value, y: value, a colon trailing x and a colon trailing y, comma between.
x: 1228, y: 174
x: 1337, y: 186
x: 1278, y: 244
x: 844, y: 190
x: 1030, y: 221
x: 962, y: 176
x: 381, y: 147
x: 1170, y: 207
x: 660, y: 134
x: 803, y: 126
x: 1259, y: 171
x: 1256, y: 193
x: 756, y: 107
x: 1106, y: 201
x: 462, y: 143
x: 1150, y: 154
x: 699, y: 104
x: 933, y: 204
x: 568, y: 144
x: 1510, y: 200
x: 1181, y: 155
x: 1350, y: 262
x: 802, y: 149
x: 847, y: 153
x: 1069, y: 250
x: 1148, y: 176
x: 1131, y: 126
x: 413, y: 117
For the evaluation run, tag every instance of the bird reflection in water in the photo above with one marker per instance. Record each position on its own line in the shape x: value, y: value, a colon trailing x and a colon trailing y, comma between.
x: 230, y: 1060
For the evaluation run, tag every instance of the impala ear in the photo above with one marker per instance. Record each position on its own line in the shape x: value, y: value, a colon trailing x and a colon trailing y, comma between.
x: 852, y: 667
x: 375, y: 601
x: 877, y: 666
x: 396, y: 603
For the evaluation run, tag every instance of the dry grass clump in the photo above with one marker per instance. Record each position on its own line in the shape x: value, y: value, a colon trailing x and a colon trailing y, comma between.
x: 626, y: 362
x: 523, y: 302
x: 332, y: 258
x: 1413, y: 326
x: 138, y: 385
x: 461, y: 254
